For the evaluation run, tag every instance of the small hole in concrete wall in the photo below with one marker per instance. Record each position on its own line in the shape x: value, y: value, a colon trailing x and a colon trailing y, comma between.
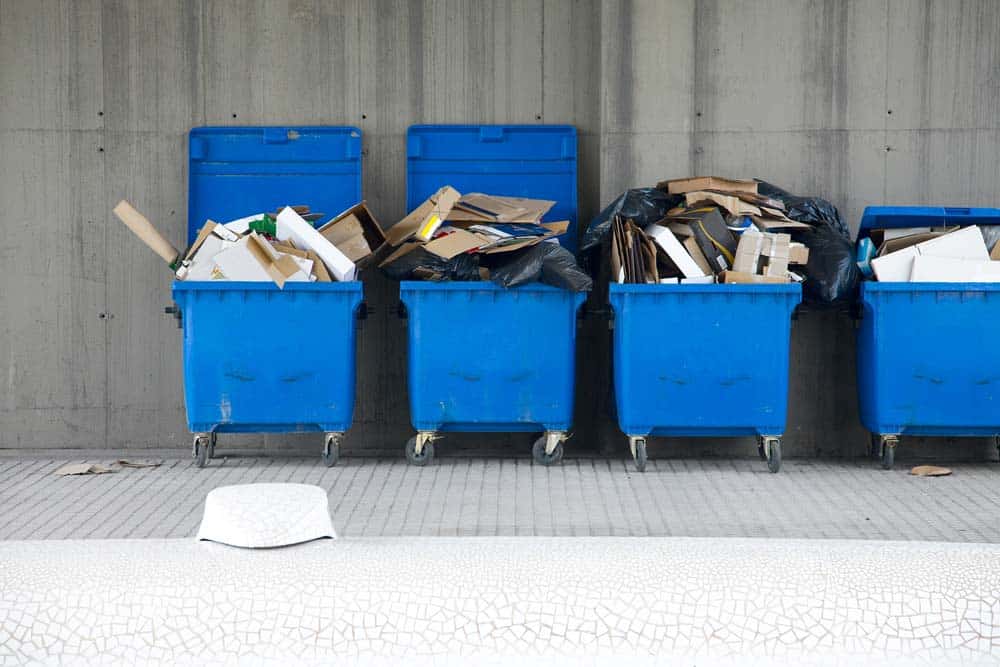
x: 100, y: 149
x: 100, y: 113
x: 698, y: 114
x: 890, y: 112
x: 234, y: 115
x: 364, y: 116
x: 538, y: 116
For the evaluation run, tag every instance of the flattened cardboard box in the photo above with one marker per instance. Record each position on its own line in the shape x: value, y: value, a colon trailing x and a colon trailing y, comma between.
x: 478, y: 207
x: 679, y: 186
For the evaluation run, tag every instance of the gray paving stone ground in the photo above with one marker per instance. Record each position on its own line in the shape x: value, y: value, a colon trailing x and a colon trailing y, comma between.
x: 458, y: 496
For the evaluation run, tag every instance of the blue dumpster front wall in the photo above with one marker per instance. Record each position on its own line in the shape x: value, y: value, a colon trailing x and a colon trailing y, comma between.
x: 481, y: 357
x: 258, y: 359
x: 262, y: 360
x: 929, y: 358
x: 928, y: 354
x: 484, y: 358
x: 702, y: 360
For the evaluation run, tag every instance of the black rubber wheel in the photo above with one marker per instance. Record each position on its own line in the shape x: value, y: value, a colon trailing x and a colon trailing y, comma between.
x: 426, y: 454
x: 212, y: 439
x: 331, y: 453
x: 774, y: 460
x: 201, y: 454
x: 760, y: 449
x: 538, y: 452
x: 875, y: 449
x: 888, y: 457
x: 640, y: 455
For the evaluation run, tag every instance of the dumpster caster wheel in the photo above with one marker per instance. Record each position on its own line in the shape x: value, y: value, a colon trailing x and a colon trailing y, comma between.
x: 426, y: 453
x: 888, y: 451
x: 201, y: 450
x: 548, y: 449
x: 331, y: 449
x: 212, y: 439
x: 637, y: 446
x: 875, y: 447
x: 772, y: 448
x: 761, y: 452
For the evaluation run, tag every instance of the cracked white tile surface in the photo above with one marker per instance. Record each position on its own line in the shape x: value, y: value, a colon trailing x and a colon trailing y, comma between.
x: 728, y: 601
x: 266, y: 515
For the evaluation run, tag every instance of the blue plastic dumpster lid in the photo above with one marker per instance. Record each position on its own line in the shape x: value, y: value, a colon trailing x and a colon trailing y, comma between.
x: 239, y: 171
x: 537, y: 161
x: 895, y: 217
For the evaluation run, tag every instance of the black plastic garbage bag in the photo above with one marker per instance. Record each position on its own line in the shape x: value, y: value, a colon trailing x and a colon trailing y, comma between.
x: 832, y: 274
x: 462, y: 267
x: 643, y: 206
x: 549, y: 263
x: 810, y: 210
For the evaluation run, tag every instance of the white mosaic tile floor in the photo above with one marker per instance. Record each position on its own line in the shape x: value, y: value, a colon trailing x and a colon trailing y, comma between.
x: 616, y: 600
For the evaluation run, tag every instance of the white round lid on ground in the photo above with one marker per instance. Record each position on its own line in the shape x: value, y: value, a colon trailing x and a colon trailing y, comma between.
x: 266, y: 515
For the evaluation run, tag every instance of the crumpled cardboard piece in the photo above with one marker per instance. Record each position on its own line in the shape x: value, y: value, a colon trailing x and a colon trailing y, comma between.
x: 425, y: 219
x: 479, y: 207
x: 82, y: 469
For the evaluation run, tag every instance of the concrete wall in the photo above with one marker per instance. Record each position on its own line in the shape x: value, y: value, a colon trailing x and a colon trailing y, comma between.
x: 863, y: 102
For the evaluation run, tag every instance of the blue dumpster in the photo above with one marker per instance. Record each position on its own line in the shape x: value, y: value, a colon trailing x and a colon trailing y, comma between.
x: 702, y: 360
x: 258, y: 359
x: 481, y: 357
x: 928, y: 358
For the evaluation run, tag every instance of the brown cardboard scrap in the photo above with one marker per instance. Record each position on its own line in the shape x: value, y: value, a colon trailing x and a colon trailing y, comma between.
x: 479, y: 207
x: 798, y: 253
x: 995, y: 253
x: 748, y: 253
x: 455, y: 243
x: 280, y: 267
x: 337, y: 232
x: 355, y: 248
x: 345, y: 228
x: 681, y: 186
x: 774, y: 225
x: 730, y: 203
x: 425, y: 219
x: 82, y: 469
x: 319, y: 268
x: 738, y: 277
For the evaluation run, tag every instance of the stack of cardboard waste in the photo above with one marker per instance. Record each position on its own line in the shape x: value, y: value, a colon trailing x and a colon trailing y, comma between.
x: 282, y: 246
x: 723, y: 232
x: 930, y: 254
x: 449, y: 225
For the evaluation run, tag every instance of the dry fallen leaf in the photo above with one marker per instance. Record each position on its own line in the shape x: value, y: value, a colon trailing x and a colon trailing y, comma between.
x: 930, y: 471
